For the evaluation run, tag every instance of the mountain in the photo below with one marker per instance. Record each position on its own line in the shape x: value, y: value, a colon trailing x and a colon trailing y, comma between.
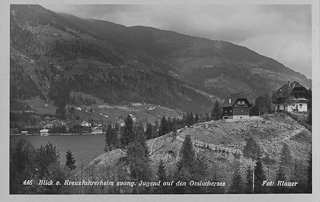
x: 119, y: 64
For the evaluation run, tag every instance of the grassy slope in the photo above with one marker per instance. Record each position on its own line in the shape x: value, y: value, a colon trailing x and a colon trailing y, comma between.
x: 226, y: 139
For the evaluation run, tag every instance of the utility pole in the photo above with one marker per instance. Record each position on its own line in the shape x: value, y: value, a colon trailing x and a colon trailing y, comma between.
x: 253, y: 176
x: 253, y: 180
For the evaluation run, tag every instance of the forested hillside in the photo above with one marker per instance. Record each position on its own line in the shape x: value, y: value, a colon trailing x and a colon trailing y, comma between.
x: 120, y: 64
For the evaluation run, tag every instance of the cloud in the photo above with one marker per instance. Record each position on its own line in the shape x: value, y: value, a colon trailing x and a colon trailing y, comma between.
x: 282, y: 32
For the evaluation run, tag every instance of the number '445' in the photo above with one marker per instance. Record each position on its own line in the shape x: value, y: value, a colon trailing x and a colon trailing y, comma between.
x: 27, y: 182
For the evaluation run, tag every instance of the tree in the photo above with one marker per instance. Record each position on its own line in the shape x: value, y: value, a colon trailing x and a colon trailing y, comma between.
x: 284, y: 168
x: 185, y: 165
x: 309, y: 174
x: 141, y: 138
x: 216, y: 111
x: 262, y: 105
x: 163, y: 127
x: 34, y: 165
x: 111, y: 138
x: 259, y: 177
x: 156, y: 125
x: 48, y: 168
x: 162, y: 176
x: 162, y: 172
x: 236, y: 185
x: 281, y: 176
x: 309, y: 118
x: 21, y: 166
x: 300, y: 175
x: 138, y: 163
x: 149, y: 131
x: 197, y: 118
x: 249, y: 182
x: 127, y: 135
x: 191, y: 119
x: 169, y: 125
x: 216, y: 178
x: 187, y: 155
x: 70, y: 161
x: 45, y: 156
x: 190, y: 167
x: 285, y: 157
x: 251, y: 149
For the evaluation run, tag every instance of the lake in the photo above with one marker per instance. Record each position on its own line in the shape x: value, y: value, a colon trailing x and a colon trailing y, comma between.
x: 84, y: 147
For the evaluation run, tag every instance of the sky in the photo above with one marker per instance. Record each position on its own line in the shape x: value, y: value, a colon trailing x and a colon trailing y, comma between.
x: 281, y: 32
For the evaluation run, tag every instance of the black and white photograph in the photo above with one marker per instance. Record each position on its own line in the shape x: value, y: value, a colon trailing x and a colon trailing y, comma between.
x: 162, y: 98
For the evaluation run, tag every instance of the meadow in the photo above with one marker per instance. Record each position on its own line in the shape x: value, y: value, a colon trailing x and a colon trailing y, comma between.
x: 84, y: 147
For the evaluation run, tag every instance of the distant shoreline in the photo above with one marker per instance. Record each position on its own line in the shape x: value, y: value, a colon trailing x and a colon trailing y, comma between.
x: 56, y: 134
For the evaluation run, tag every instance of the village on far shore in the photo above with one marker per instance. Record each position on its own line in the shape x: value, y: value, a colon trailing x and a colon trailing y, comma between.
x: 292, y: 98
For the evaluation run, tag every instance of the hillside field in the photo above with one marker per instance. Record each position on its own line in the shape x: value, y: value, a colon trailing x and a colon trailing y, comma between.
x: 222, y: 142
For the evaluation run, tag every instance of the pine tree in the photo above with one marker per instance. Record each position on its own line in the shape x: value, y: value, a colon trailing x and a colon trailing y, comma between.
x: 267, y: 103
x: 139, y: 164
x: 108, y: 139
x: 169, y: 125
x: 141, y: 138
x: 217, y: 189
x: 216, y: 111
x: 281, y: 176
x: 45, y: 156
x: 162, y: 172
x: 162, y: 176
x: 249, y: 182
x: 185, y: 166
x: 70, y: 161
x: 309, y: 118
x: 48, y: 167
x: 187, y: 155
x: 111, y: 138
x: 197, y: 118
x: 149, y: 131
x: 174, y: 132
x: 236, y: 185
x: 21, y: 163
x: 127, y: 135
x: 309, y: 174
x: 163, y: 127
x: 285, y: 157
x: 191, y: 119
x: 259, y: 177
x: 299, y: 173
x: 156, y: 129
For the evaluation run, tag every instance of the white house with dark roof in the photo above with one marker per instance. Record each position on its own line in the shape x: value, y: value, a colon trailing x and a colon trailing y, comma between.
x: 291, y: 97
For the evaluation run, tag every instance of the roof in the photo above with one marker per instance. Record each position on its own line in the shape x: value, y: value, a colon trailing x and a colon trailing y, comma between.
x: 285, y: 90
x: 234, y: 97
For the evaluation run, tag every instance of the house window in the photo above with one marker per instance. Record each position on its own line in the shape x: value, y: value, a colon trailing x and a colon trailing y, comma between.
x: 229, y: 101
x: 240, y: 102
x: 230, y: 110
x: 300, y: 105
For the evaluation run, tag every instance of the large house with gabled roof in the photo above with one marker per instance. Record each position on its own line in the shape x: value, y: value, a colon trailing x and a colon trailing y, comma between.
x: 291, y: 97
x: 236, y: 106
